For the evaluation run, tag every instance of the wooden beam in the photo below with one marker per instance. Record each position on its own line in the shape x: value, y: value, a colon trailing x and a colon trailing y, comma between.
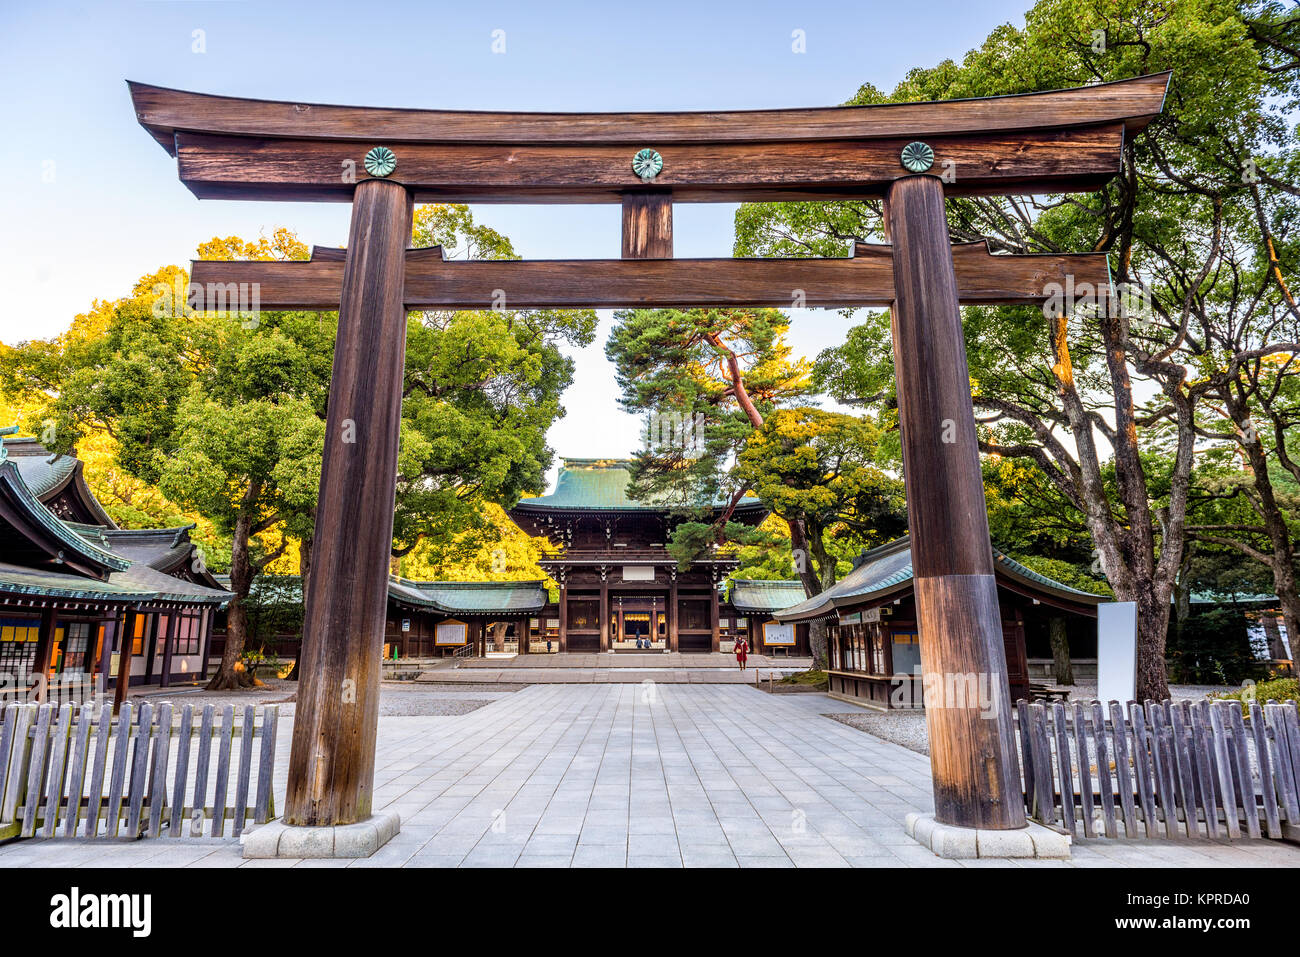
x: 648, y: 226
x: 332, y: 761
x: 865, y: 279
x: 165, y: 112
x: 1022, y: 161
x: 972, y: 750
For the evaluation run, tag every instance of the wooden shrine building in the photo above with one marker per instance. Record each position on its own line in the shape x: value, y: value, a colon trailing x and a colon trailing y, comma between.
x: 620, y: 590
x: 441, y: 618
x: 76, y: 596
x: 874, y: 643
x: 754, y: 603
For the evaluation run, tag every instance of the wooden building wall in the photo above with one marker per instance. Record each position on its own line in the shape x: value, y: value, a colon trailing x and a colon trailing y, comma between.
x: 864, y: 665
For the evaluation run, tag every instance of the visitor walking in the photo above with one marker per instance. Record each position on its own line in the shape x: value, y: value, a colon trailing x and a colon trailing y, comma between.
x: 742, y: 652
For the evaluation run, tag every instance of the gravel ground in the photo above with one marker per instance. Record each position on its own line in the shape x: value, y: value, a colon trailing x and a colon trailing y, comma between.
x: 395, y: 698
x: 907, y: 728
x: 899, y: 727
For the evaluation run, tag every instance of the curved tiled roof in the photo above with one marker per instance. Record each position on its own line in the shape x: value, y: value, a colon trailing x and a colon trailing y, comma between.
x: 764, y: 595
x: 883, y: 571
x: 601, y: 484
x: 468, y: 598
x: 124, y: 579
x: 28, y: 503
x: 46, y: 475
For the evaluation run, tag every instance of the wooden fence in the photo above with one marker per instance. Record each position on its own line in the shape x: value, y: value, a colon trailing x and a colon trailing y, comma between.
x: 56, y: 779
x: 1199, y: 769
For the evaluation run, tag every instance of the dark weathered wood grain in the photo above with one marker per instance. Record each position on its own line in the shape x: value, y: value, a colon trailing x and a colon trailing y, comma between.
x: 1086, y: 806
x: 648, y: 226
x: 36, y: 769
x: 865, y: 279
x: 1245, y: 779
x: 139, y: 770
x: 956, y: 594
x: 117, y: 784
x: 175, y: 824
x: 164, y: 112
x: 57, y: 767
x: 233, y: 167
x: 1105, y: 780
x: 331, y: 770
x: 162, y: 745
x: 221, y: 787
x: 1064, y: 765
x: 77, y: 774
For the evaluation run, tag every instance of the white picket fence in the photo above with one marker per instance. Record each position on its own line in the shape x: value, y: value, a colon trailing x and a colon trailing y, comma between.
x: 56, y: 779
x: 1199, y: 769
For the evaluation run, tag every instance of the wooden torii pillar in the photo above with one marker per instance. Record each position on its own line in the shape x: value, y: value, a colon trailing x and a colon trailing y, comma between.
x: 912, y: 155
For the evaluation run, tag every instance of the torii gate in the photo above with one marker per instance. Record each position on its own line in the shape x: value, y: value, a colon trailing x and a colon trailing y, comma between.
x: 912, y: 155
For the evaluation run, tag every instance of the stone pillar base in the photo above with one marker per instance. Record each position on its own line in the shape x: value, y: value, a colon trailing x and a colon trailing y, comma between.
x: 277, y: 839
x: 947, y: 840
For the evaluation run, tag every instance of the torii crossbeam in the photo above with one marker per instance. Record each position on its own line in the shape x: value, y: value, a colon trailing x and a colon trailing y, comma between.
x: 912, y: 155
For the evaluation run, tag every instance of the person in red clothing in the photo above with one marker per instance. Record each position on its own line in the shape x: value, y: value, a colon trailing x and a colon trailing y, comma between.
x: 742, y: 652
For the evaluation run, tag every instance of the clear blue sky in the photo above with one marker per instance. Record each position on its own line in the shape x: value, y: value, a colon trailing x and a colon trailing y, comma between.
x: 91, y: 202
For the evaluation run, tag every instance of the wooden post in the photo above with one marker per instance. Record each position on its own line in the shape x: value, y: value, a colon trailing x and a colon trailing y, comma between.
x: 332, y: 763
x: 111, y: 629
x: 672, y: 615
x: 124, y: 656
x: 44, y: 650
x: 604, y: 615
x: 563, y: 637
x: 168, y: 645
x: 647, y: 226
x: 971, y: 739
x: 207, y: 619
x: 151, y: 626
x: 716, y: 639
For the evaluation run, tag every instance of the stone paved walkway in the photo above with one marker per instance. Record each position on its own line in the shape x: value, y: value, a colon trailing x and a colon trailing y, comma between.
x: 631, y: 775
x: 617, y: 668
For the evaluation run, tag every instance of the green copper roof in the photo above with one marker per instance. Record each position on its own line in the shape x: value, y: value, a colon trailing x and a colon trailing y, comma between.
x: 468, y: 598
x: 45, y: 474
x: 601, y: 484
x: 128, y: 580
x: 882, y: 571
x: 137, y: 583
x: 33, y: 460
x: 759, y: 595
x: 29, y: 503
x: 450, y: 598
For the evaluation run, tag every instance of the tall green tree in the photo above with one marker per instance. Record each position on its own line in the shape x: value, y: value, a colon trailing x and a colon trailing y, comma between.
x: 819, y: 471
x: 481, y: 390
x: 225, y: 413
x: 1080, y: 390
x: 221, y: 414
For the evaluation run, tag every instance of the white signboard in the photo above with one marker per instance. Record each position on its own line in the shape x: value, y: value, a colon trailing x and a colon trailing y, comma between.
x: 776, y: 633
x: 1117, y: 651
x: 450, y: 633
x: 638, y: 573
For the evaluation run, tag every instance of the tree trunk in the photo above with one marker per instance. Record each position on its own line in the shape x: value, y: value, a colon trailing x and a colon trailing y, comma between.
x: 232, y: 673
x: 1284, y: 582
x: 1279, y: 537
x: 1152, y: 629
x: 818, y: 639
x: 499, y: 636
x: 1061, y: 670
